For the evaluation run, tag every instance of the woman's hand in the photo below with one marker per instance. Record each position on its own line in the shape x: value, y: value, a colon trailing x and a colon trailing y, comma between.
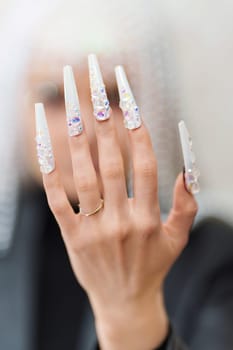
x: 122, y: 253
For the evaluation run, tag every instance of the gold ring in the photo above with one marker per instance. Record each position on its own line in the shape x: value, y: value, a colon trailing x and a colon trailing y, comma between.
x: 94, y: 211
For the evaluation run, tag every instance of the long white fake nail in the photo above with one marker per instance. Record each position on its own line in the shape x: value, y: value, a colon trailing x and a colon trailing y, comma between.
x: 44, y: 147
x: 98, y: 93
x: 128, y: 105
x: 192, y: 173
x: 73, y: 115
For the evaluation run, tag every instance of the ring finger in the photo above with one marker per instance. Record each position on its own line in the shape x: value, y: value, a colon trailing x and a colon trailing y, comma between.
x: 143, y: 158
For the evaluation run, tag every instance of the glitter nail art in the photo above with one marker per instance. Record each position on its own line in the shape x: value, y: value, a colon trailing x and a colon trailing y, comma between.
x: 44, y: 147
x: 132, y: 119
x: 192, y: 173
x: 73, y: 115
x: 98, y: 93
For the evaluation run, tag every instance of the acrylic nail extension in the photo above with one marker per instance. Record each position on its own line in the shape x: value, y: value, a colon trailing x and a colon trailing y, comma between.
x: 98, y: 93
x: 44, y: 147
x: 191, y: 173
x: 128, y: 105
x: 73, y: 115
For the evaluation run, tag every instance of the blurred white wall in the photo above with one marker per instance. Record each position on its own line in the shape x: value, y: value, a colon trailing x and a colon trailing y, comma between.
x: 202, y: 47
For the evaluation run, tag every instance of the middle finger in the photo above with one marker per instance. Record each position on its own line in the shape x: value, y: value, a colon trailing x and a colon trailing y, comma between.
x: 110, y: 158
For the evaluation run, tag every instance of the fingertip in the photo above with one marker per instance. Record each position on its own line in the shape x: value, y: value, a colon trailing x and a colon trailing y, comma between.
x: 182, y: 198
x: 50, y: 179
x: 182, y: 213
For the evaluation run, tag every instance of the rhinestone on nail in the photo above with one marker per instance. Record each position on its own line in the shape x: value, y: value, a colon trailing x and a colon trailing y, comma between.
x: 43, y: 143
x: 132, y: 119
x: 130, y: 110
x: 192, y: 174
x: 101, y: 108
x: 74, y: 121
x: 73, y: 115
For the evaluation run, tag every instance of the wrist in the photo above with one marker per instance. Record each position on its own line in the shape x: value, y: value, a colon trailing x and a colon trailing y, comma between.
x: 137, y: 325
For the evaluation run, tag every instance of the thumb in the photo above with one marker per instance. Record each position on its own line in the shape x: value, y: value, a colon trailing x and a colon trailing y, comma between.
x: 183, y: 211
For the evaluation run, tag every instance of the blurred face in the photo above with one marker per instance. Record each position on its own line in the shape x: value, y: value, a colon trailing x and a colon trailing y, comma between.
x: 45, y: 84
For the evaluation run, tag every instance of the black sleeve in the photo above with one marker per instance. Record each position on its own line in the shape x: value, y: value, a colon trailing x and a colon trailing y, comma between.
x: 199, y: 289
x: 215, y: 321
x: 172, y: 342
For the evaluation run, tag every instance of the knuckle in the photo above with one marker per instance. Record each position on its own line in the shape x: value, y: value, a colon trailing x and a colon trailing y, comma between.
x: 115, y: 231
x: 147, y: 168
x: 119, y: 231
x: 57, y: 205
x: 123, y: 234
x: 149, y: 228
x: 112, y: 170
x: 191, y: 210
x: 86, y: 184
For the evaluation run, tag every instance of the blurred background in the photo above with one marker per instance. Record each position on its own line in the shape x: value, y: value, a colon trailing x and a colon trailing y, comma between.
x: 192, y: 53
x: 184, y: 50
x: 179, y: 58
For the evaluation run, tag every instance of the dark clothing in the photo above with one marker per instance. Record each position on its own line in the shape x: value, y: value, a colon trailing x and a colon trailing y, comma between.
x: 42, y: 307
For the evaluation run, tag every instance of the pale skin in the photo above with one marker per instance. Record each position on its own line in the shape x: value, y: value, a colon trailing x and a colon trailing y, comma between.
x: 122, y: 254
